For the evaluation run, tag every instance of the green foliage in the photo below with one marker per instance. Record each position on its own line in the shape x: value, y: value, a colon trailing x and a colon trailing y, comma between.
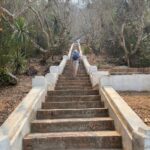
x: 12, y: 44
x: 5, y: 79
x: 145, y: 61
x: 18, y: 63
x: 86, y: 50
x: 41, y: 40
x: 19, y: 39
x: 5, y: 44
x: 4, y: 58
x: 19, y: 36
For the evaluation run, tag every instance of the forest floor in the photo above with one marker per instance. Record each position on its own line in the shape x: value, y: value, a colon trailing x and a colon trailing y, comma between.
x: 140, y: 103
x: 11, y: 96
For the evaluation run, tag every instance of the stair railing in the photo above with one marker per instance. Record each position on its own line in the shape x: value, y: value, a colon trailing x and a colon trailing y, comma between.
x: 55, y: 71
x: 17, y: 125
x: 135, y: 134
x: 92, y: 70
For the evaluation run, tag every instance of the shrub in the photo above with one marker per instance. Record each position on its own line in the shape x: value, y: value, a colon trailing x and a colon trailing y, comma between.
x: 6, y: 78
x: 18, y: 63
x: 86, y: 50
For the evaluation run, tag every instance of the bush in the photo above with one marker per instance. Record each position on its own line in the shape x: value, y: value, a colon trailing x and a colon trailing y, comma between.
x: 19, y: 63
x: 6, y: 79
x: 145, y: 61
x: 86, y: 50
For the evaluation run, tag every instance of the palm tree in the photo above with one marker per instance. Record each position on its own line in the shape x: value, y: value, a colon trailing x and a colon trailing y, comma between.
x: 20, y: 39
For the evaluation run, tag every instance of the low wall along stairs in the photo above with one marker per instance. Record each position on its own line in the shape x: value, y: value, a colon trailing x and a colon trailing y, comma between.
x: 63, y: 113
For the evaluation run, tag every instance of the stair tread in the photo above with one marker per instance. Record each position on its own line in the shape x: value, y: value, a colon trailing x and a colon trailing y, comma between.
x: 86, y: 109
x: 67, y: 96
x: 73, y: 90
x: 73, y: 134
x: 73, y: 120
x: 73, y: 117
x: 74, y: 102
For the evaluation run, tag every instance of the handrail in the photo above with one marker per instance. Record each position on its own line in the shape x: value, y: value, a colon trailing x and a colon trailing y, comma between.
x: 70, y: 51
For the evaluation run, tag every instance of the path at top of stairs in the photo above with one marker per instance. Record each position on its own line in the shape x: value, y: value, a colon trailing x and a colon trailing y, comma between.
x: 73, y: 117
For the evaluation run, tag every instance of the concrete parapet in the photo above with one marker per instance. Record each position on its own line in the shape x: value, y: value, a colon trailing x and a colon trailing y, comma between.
x: 18, y: 123
x: 135, y: 82
x: 135, y: 134
x: 51, y: 80
x: 96, y: 76
x: 70, y: 51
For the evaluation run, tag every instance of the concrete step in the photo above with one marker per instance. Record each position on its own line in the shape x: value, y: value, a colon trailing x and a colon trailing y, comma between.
x: 73, y: 88
x: 73, y: 92
x: 72, y: 98
x: 73, y: 140
x: 71, y: 113
x: 73, y: 83
x: 73, y: 105
x: 78, y: 74
x: 69, y: 79
x: 74, y: 79
x: 70, y: 125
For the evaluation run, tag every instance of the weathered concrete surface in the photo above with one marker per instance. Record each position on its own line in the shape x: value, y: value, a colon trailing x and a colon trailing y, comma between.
x: 73, y: 119
x: 17, y: 125
x: 72, y: 98
x: 136, y: 135
x: 4, y: 141
x: 71, y: 113
x: 96, y: 76
x: 127, y: 82
x: 73, y: 140
x: 73, y: 92
x: 73, y: 104
x: 70, y: 125
x: 126, y: 121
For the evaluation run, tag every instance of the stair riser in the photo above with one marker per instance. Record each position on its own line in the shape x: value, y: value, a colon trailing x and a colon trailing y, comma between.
x: 59, y: 114
x: 72, y: 105
x: 73, y: 84
x: 80, y: 71
x: 90, y: 92
x: 73, y: 88
x: 69, y: 81
x: 72, y: 98
x: 73, y: 143
x: 83, y: 79
x: 73, y: 117
x: 72, y: 126
x: 75, y: 81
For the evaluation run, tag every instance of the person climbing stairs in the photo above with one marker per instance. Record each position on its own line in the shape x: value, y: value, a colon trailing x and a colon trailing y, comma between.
x: 73, y: 117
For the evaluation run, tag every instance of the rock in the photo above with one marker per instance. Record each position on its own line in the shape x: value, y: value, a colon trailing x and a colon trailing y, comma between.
x: 31, y: 71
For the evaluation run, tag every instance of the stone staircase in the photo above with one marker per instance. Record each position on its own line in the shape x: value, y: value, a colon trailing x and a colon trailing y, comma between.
x: 73, y: 118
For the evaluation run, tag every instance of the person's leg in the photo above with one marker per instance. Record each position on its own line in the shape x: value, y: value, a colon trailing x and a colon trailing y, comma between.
x: 76, y: 67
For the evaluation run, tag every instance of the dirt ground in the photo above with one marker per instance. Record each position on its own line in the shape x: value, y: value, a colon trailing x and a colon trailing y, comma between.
x: 11, y: 96
x: 140, y: 103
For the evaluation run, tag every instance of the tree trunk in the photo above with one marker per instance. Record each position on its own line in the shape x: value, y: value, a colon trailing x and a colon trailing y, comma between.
x: 123, y: 45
